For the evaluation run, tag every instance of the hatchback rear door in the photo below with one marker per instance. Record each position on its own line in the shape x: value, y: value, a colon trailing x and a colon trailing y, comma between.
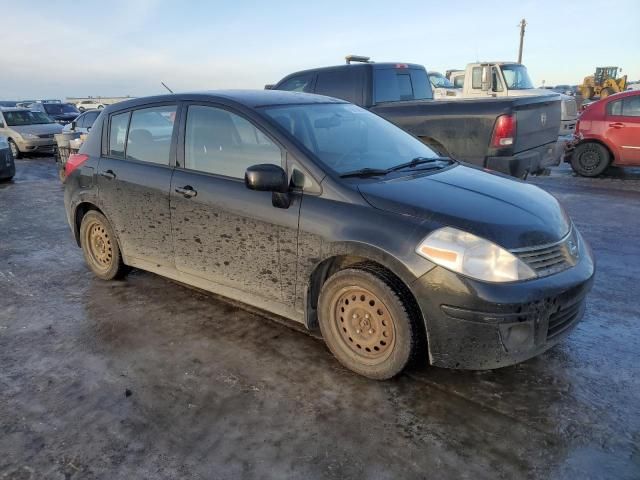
x: 134, y: 177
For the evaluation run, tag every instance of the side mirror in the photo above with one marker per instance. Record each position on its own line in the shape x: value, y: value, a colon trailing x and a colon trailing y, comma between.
x: 266, y: 177
x: 73, y: 125
x: 486, y: 79
x: 1, y: 124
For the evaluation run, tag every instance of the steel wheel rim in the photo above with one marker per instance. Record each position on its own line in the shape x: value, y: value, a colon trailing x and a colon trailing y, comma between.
x: 364, y: 325
x: 14, y: 149
x: 589, y: 159
x: 99, y: 246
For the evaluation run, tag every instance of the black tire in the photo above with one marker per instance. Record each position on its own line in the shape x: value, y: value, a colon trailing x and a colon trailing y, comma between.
x: 605, y: 92
x: 590, y: 159
x: 100, y: 107
x: 15, y: 151
x: 100, y: 247
x: 380, y: 335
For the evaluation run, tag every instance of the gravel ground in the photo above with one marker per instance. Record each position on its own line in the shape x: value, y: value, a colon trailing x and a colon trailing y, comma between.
x: 145, y: 378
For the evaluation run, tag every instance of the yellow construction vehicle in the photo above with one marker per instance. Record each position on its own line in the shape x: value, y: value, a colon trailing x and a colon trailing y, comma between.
x: 603, y: 83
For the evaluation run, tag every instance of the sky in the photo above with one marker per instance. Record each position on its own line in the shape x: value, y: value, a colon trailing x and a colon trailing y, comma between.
x: 127, y: 47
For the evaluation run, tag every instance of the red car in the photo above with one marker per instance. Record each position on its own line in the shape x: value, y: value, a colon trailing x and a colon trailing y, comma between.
x: 607, y: 133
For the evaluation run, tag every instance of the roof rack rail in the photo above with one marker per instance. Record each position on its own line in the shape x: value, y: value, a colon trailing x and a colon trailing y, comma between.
x: 357, y: 58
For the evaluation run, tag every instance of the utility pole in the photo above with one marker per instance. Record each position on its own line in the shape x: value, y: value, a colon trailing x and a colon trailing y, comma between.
x: 523, y: 24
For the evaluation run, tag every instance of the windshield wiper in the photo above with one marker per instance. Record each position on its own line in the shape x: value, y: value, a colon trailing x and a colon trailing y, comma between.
x: 365, y: 172
x: 414, y: 163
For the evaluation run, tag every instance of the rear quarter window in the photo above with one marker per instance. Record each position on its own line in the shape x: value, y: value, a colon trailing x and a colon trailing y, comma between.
x: 299, y: 83
x: 118, y: 134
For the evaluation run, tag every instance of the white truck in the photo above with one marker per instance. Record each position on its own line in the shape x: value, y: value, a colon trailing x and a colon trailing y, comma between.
x: 442, y: 87
x: 509, y: 79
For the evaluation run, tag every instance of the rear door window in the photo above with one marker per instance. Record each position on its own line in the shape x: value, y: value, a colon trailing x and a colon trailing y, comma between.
x: 615, y: 108
x: 118, y: 134
x: 150, y: 133
x: 220, y: 142
x: 631, y: 106
x: 398, y: 84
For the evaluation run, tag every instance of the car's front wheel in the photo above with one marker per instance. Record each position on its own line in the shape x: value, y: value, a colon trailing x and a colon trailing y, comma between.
x: 590, y: 159
x: 100, y: 247
x: 367, y: 323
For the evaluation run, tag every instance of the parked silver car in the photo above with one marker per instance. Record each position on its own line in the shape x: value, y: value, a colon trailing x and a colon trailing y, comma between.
x: 83, y: 123
x: 7, y: 167
x: 28, y: 131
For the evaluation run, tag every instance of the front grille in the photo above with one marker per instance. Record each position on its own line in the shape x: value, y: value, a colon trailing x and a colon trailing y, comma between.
x: 551, y: 258
x: 46, y: 135
x: 563, y: 319
x: 571, y: 108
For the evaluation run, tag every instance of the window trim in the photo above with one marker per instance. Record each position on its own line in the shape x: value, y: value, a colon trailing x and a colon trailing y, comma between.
x: 182, y: 130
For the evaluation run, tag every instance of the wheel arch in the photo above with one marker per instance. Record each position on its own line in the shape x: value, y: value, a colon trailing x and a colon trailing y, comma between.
x: 78, y: 214
x: 346, y: 254
x: 612, y: 153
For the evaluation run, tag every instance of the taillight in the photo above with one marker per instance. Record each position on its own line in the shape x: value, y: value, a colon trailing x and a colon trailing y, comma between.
x: 74, y: 161
x: 504, y: 132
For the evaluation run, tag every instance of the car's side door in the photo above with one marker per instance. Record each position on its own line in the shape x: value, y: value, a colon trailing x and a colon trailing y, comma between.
x: 222, y: 231
x: 134, y: 178
x: 622, y: 128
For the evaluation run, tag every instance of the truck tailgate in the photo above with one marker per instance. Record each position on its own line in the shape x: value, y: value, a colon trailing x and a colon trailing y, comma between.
x: 537, y: 122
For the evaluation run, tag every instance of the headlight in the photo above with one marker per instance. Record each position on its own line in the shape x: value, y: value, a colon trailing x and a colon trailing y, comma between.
x: 473, y: 256
x: 28, y: 135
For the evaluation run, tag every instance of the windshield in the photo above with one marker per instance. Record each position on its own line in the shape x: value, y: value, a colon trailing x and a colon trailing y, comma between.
x: 440, y: 81
x: 517, y: 77
x: 346, y: 138
x: 17, y: 119
x: 59, y: 108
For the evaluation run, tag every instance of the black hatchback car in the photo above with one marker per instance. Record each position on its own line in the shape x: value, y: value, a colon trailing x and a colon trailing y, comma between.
x: 322, y: 212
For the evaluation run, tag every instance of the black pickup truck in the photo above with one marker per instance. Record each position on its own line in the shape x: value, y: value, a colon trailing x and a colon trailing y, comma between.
x: 515, y: 136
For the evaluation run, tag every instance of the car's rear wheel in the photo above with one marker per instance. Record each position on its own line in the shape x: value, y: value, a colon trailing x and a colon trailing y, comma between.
x: 590, y: 159
x: 100, y: 247
x: 366, y: 322
x: 15, y: 151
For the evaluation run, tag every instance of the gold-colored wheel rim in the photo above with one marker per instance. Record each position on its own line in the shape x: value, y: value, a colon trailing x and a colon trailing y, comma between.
x: 364, y: 325
x: 99, y: 246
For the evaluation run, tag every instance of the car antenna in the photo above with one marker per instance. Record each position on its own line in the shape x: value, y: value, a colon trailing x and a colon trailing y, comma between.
x: 170, y: 91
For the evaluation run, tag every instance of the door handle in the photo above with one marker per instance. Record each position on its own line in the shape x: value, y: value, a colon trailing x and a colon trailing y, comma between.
x: 187, y: 191
x: 108, y: 174
x: 616, y: 125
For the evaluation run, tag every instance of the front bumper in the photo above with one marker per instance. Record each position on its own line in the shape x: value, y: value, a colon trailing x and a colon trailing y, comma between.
x: 523, y: 163
x: 478, y: 325
x: 36, y: 144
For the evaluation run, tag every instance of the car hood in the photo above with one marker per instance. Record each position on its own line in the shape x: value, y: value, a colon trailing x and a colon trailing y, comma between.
x: 510, y: 213
x: 38, y: 129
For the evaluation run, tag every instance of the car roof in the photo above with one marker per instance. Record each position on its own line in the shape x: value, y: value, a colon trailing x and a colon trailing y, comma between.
x: 249, y: 98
